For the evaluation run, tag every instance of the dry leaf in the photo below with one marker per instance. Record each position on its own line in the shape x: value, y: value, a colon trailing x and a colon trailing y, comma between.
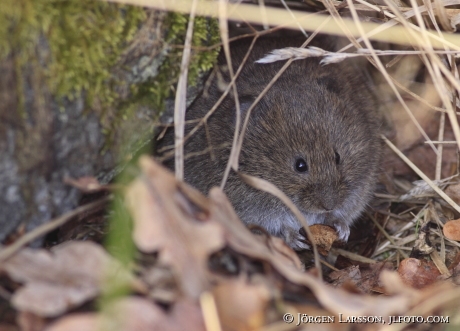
x: 243, y: 241
x: 172, y: 218
x: 134, y: 314
x: 242, y: 304
x: 452, y: 230
x: 418, y: 273
x: 453, y: 191
x: 30, y: 322
x: 76, y: 322
x: 56, y: 281
x: 85, y: 184
x: 324, y: 236
x: 283, y: 251
x: 351, y: 274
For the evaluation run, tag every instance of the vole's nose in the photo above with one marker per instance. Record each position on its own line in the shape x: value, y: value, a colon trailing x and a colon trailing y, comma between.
x: 328, y: 201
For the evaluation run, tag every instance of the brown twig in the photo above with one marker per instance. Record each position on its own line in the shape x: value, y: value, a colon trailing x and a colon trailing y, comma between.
x: 10, y: 250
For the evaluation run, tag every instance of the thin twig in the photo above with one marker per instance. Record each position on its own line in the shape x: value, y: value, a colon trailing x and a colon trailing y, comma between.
x: 8, y: 251
x: 250, y: 13
x: 422, y: 175
x: 223, y: 25
x: 266, y: 186
x: 181, y: 98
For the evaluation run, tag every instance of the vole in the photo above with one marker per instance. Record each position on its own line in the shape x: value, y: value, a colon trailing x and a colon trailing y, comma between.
x: 314, y: 135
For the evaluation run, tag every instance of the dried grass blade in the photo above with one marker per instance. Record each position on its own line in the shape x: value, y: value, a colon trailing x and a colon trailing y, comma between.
x: 181, y: 96
x: 310, y: 22
x: 422, y: 175
x: 266, y: 186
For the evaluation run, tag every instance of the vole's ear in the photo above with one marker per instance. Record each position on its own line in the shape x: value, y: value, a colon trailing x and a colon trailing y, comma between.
x: 245, y: 103
x: 329, y: 82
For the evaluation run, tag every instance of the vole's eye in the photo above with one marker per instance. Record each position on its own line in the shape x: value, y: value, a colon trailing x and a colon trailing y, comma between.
x: 301, y: 165
x: 337, y: 158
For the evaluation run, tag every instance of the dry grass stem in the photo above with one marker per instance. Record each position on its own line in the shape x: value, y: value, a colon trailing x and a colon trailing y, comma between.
x: 376, y: 62
x: 250, y: 13
x: 181, y: 97
x: 40, y: 231
x: 263, y: 185
x: 389, y: 238
x: 334, y: 57
x: 209, y: 309
x: 223, y: 25
x: 352, y: 256
x: 422, y: 175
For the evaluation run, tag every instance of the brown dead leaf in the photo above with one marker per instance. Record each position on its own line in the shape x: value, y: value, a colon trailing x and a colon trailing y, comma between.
x: 242, y: 304
x: 334, y: 300
x: 355, y: 280
x: 172, y: 218
x: 418, y: 273
x: 85, y: 184
x: 243, y: 241
x: 453, y: 191
x: 283, y: 251
x: 351, y: 274
x: 55, y: 281
x: 76, y: 322
x: 324, y: 236
x: 30, y: 322
x: 134, y: 314
x: 452, y: 230
x: 137, y: 314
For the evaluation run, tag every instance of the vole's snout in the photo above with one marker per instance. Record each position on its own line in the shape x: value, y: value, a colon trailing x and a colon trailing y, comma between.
x: 327, y: 203
x: 326, y: 200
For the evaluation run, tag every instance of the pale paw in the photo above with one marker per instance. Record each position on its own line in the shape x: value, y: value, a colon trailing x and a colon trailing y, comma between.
x: 294, y: 239
x: 342, y: 228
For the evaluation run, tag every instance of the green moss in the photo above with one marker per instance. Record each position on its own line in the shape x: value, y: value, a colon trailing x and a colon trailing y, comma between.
x: 81, y: 41
x: 85, y: 39
x: 205, y: 33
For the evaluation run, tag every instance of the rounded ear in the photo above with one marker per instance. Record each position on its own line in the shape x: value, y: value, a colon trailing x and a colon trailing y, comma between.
x: 245, y: 103
x: 330, y: 83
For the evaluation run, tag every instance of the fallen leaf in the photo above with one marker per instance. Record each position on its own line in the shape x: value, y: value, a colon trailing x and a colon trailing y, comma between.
x: 60, y: 279
x: 418, y: 273
x: 324, y: 236
x: 134, y: 314
x: 453, y: 191
x: 283, y: 251
x: 242, y: 304
x: 85, y: 184
x: 76, y: 322
x: 172, y: 218
x: 30, y: 322
x: 351, y: 274
x: 452, y: 230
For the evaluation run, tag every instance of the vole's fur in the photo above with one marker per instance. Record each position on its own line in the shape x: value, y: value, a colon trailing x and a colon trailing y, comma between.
x: 312, y: 112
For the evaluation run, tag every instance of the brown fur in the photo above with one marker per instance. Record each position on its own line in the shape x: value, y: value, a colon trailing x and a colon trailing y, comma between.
x: 312, y: 111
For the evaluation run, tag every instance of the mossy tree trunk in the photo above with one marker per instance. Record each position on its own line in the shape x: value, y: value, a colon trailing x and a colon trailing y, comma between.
x: 82, y: 84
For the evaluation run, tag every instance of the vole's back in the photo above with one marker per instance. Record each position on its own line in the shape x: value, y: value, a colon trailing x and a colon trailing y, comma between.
x: 314, y: 135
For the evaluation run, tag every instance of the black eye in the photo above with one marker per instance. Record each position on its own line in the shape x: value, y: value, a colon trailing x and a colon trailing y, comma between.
x: 337, y: 158
x: 301, y: 165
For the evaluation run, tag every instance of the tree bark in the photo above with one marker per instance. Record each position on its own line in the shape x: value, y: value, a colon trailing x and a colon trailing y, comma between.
x: 45, y: 137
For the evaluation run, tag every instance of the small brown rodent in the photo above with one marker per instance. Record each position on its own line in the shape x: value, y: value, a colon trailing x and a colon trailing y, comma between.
x: 314, y: 135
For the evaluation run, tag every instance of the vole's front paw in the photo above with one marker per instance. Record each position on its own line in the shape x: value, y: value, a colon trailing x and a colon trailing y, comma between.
x: 294, y: 239
x: 342, y: 228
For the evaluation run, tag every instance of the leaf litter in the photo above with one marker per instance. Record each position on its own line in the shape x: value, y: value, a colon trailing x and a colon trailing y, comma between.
x: 198, y: 247
x: 197, y: 267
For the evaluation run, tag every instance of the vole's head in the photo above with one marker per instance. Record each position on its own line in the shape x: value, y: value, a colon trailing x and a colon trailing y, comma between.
x: 314, y: 143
